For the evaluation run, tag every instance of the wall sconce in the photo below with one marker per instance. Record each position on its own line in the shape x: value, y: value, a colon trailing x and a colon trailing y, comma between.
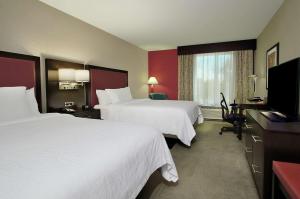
x: 152, y: 81
x: 69, y: 79
x: 66, y: 75
x: 82, y: 76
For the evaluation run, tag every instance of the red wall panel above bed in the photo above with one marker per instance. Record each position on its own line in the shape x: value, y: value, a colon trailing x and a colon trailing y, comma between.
x: 20, y: 70
x: 14, y: 72
x: 104, y: 78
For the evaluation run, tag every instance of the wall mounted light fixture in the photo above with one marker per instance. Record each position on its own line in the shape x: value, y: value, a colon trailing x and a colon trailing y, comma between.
x: 82, y: 76
x: 71, y: 79
x: 66, y: 75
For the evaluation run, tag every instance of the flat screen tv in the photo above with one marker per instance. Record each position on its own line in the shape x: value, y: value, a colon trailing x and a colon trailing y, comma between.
x: 283, y: 89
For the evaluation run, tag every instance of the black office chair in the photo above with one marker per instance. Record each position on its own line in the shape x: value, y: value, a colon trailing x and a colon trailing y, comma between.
x: 231, y: 117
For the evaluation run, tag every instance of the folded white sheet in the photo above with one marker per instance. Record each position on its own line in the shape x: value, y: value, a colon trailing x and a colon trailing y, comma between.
x: 62, y: 157
x: 168, y: 116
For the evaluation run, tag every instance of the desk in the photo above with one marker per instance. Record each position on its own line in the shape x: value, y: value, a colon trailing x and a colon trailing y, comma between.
x: 256, y: 106
x: 239, y: 108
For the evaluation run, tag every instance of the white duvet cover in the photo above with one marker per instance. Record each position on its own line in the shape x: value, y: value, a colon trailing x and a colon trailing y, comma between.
x: 63, y: 157
x: 168, y: 116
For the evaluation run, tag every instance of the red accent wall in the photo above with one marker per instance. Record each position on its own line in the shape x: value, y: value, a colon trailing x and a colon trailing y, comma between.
x: 163, y: 65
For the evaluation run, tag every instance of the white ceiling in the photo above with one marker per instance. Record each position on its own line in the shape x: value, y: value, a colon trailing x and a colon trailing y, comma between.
x: 166, y: 24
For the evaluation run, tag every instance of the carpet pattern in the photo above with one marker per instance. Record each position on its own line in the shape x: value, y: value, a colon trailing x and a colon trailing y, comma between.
x: 214, y: 167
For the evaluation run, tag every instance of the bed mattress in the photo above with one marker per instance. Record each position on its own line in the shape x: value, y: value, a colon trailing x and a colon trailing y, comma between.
x: 57, y: 156
x: 170, y: 117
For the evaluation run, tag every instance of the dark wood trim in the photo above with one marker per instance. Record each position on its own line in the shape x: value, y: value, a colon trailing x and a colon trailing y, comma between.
x: 217, y: 47
x: 253, y: 70
x: 18, y: 56
x: 276, y: 45
x: 267, y: 72
x: 37, y: 72
x: 88, y: 67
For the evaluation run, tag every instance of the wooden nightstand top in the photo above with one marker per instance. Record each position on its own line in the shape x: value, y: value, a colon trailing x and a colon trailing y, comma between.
x: 89, y: 113
x: 92, y: 114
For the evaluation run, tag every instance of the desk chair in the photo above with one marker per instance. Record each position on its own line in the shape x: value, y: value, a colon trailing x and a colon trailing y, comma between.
x: 231, y: 117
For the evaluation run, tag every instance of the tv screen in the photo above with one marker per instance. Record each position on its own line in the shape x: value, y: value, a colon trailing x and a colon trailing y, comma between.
x: 283, y: 88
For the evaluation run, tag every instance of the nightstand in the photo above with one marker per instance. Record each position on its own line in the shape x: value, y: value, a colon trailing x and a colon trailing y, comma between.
x: 89, y: 113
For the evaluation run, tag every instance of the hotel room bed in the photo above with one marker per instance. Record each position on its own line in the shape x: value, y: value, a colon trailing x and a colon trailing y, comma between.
x: 171, y: 117
x: 60, y: 156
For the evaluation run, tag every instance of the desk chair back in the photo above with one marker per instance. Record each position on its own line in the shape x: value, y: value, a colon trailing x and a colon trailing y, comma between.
x: 225, y: 109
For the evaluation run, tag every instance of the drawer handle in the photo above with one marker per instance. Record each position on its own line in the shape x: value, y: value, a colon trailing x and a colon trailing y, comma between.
x: 248, y: 126
x: 254, y: 170
x: 256, y: 138
x: 248, y: 150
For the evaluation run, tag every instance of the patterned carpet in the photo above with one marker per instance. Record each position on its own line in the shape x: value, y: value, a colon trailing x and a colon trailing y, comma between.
x: 213, y: 168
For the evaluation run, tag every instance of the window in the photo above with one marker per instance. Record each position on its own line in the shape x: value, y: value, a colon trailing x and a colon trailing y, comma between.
x: 214, y: 73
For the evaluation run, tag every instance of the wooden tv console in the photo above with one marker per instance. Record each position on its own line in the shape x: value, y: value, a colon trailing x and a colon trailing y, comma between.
x: 266, y: 141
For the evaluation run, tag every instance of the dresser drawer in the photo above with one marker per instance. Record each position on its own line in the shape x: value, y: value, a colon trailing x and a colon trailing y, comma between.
x: 254, y: 149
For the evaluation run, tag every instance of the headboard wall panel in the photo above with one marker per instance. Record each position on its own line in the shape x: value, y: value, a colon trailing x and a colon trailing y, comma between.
x: 20, y: 70
x: 104, y: 78
x: 14, y: 75
x: 56, y: 98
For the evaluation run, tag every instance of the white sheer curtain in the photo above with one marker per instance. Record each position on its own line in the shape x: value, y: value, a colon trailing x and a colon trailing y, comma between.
x: 214, y: 73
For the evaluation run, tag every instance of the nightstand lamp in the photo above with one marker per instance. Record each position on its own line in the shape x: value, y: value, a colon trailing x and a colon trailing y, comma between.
x: 152, y: 81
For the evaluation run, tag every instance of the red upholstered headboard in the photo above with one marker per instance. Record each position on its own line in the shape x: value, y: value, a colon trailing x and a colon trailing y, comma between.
x: 103, y: 78
x: 20, y: 70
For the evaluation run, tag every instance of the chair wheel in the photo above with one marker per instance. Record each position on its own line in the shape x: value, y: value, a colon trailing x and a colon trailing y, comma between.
x: 221, y: 133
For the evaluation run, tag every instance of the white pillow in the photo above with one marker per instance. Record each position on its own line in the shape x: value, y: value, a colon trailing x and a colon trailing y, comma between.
x: 103, y: 97
x: 113, y: 95
x: 119, y: 95
x: 31, y: 100
x: 13, y: 104
x: 126, y: 94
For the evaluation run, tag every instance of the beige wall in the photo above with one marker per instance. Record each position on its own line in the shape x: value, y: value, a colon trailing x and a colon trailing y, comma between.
x: 31, y: 27
x: 285, y: 29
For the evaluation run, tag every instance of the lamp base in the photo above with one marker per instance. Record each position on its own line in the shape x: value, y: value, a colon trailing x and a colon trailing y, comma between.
x: 151, y: 88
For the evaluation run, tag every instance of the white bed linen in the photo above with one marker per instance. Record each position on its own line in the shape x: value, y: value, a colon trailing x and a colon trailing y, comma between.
x: 168, y: 116
x: 58, y: 156
x: 13, y: 103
